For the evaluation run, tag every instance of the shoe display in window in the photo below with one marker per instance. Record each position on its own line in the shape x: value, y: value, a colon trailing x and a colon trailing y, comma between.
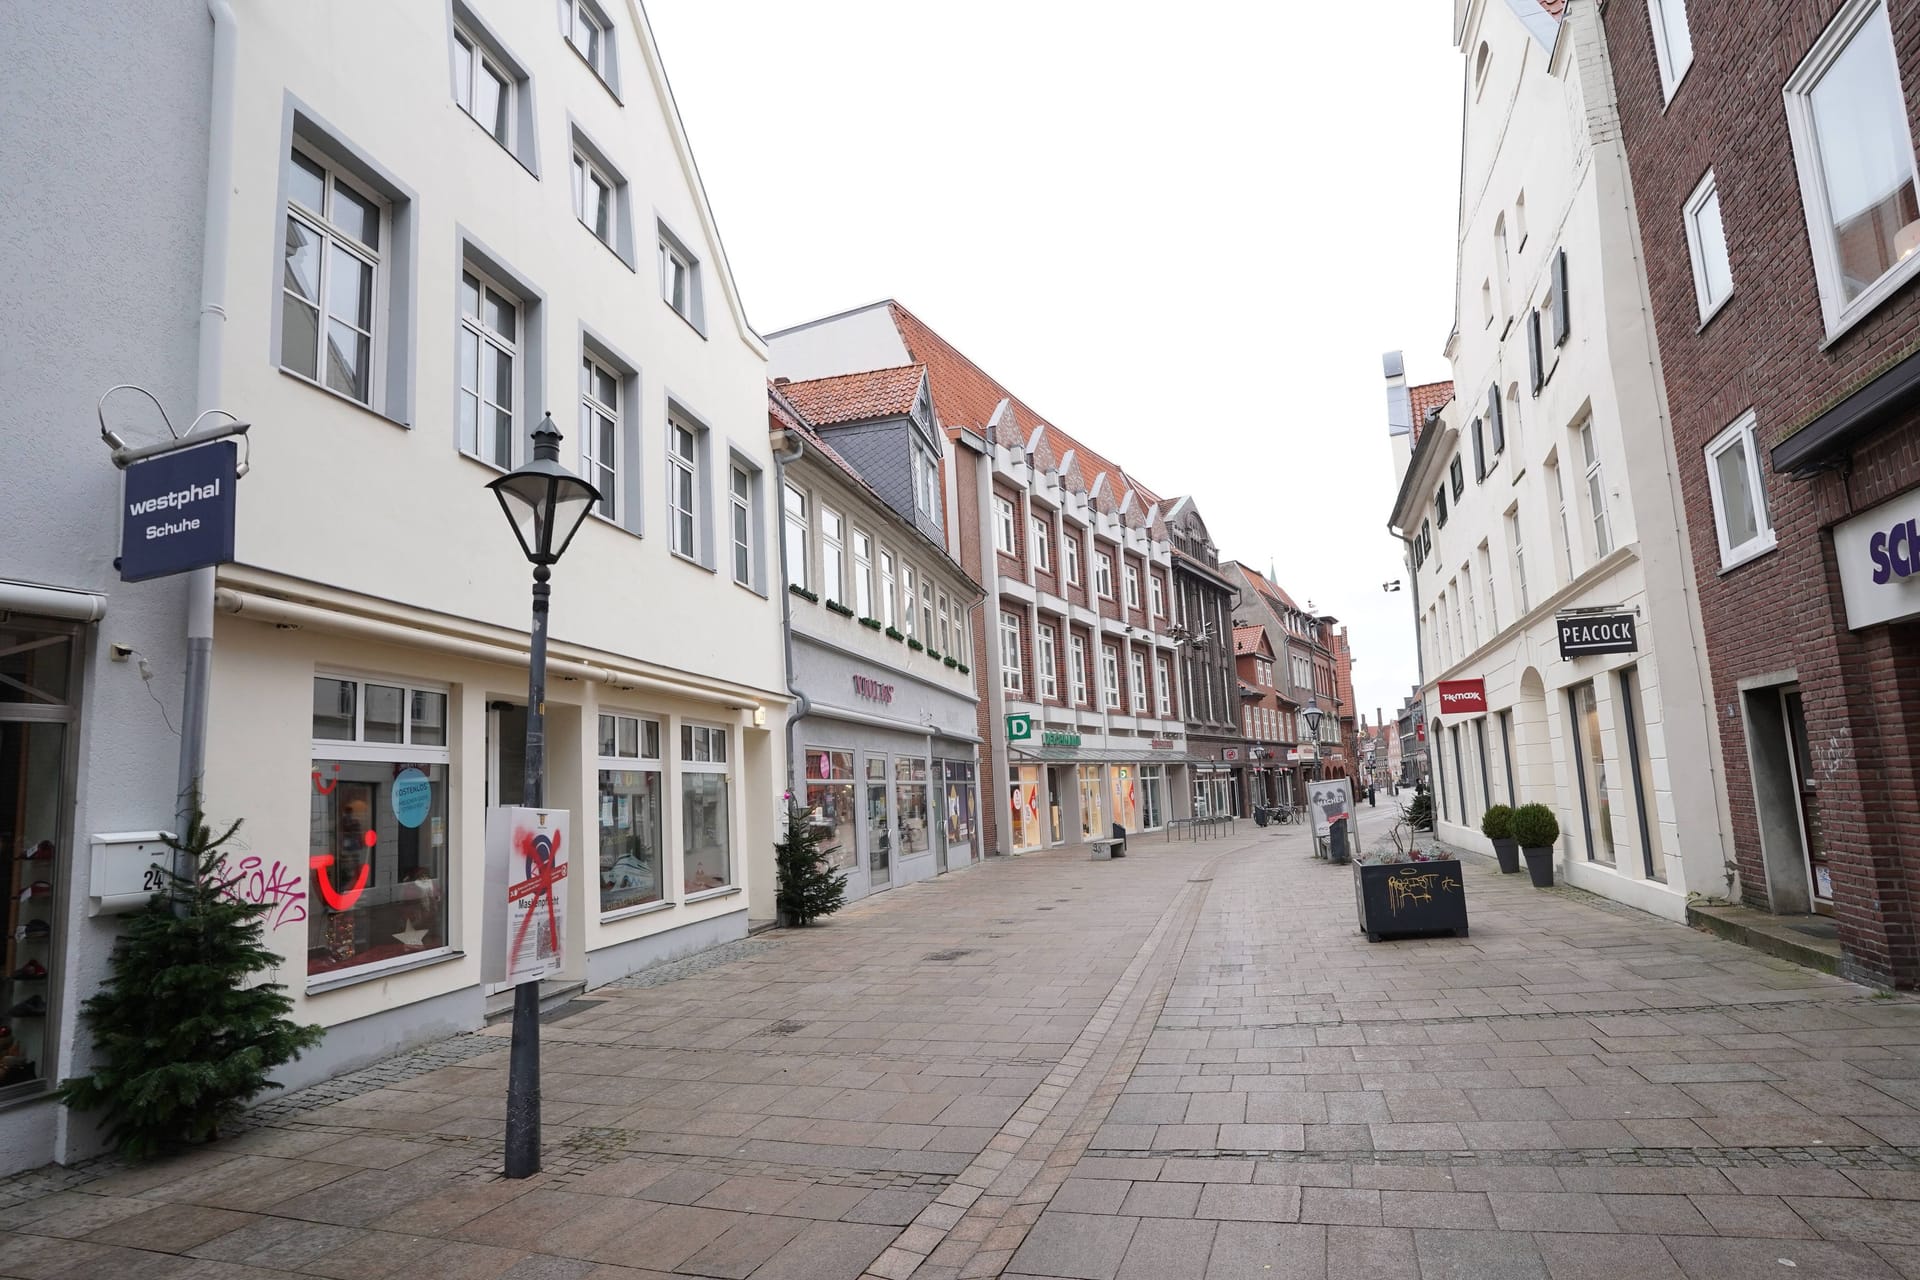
x: 15, y: 1070
x: 42, y: 852
x: 31, y: 971
x: 31, y: 1007
x: 34, y: 931
x: 38, y: 889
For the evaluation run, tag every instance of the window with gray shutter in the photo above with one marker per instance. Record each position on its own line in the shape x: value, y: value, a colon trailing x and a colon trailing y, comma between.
x: 1534, y: 377
x: 1560, y: 298
x: 1479, y: 450
x: 1440, y: 506
x: 1459, y: 473
x: 1494, y: 422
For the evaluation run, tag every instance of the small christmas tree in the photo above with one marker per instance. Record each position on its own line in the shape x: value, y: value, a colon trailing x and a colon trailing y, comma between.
x: 809, y: 888
x: 183, y: 1042
x: 1419, y: 814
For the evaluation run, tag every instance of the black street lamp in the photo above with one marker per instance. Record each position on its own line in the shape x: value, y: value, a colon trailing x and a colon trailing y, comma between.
x: 546, y: 504
x: 1312, y: 715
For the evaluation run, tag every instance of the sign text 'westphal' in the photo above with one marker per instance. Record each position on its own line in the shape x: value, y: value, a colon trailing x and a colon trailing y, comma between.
x: 177, y: 512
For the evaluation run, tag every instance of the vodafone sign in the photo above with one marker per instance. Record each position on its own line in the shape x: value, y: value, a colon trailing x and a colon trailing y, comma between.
x: 1462, y: 697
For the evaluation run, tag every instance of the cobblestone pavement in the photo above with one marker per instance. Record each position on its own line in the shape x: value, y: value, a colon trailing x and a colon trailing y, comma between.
x: 1186, y: 1063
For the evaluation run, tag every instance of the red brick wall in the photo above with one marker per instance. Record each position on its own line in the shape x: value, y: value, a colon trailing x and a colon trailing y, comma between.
x: 993, y: 769
x: 1763, y: 351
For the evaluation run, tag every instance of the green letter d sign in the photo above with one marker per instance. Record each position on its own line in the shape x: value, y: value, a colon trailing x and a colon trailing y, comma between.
x: 1019, y: 728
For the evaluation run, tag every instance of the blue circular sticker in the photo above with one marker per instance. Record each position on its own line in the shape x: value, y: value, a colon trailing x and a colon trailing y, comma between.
x: 412, y: 797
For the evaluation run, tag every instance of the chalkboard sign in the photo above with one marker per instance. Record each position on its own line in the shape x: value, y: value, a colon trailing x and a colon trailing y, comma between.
x: 1402, y: 899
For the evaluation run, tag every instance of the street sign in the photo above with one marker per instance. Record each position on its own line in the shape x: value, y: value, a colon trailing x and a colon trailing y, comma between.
x: 1462, y: 697
x: 1019, y: 728
x: 523, y: 937
x: 177, y: 512
x: 1590, y: 633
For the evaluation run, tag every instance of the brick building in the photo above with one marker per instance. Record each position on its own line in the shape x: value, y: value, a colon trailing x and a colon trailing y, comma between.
x: 1773, y: 170
x: 1202, y: 623
x: 1075, y: 643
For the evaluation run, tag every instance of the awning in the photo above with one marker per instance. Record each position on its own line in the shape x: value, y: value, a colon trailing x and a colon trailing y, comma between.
x: 1835, y: 432
x: 1090, y: 755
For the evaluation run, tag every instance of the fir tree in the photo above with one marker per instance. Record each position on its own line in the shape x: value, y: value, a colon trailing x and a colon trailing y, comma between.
x: 1419, y: 814
x: 809, y: 888
x: 182, y: 1040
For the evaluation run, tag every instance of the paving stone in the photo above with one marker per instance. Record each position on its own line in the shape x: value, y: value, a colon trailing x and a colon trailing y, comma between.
x: 1340, y: 1205
x: 1163, y: 1200
x: 1371, y: 1253
x: 1090, y: 1195
x: 1875, y: 1221
x: 1282, y: 1251
x: 1477, y: 1255
x: 1077, y: 1245
x: 1222, y: 1200
x: 739, y: 1250
x: 1761, y: 1216
x: 1606, y: 1257
x: 1464, y: 1209
x: 1725, y: 1258
x: 1168, y: 1249
x: 1577, y: 1211
x: 1661, y: 1215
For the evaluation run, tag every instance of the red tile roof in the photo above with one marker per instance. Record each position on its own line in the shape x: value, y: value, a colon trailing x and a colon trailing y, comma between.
x: 856, y: 397
x: 1260, y: 582
x: 1248, y: 639
x: 966, y: 396
x: 1427, y: 397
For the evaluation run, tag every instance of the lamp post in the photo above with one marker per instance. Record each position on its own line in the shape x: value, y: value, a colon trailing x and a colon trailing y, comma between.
x: 545, y: 503
x: 1312, y: 715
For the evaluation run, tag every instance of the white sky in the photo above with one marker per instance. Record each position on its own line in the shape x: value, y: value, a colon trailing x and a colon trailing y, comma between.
x: 1184, y: 233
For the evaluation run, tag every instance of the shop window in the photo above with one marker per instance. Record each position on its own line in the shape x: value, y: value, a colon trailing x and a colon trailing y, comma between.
x: 706, y: 844
x: 962, y: 810
x: 910, y: 805
x: 831, y: 811
x: 1590, y: 768
x: 1633, y: 717
x: 378, y: 841
x: 879, y: 829
x: 1153, y: 790
x: 632, y: 865
x: 1023, y: 787
x: 35, y: 696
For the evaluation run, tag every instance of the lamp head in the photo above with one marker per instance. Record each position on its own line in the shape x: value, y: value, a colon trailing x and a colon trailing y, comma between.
x: 543, y: 501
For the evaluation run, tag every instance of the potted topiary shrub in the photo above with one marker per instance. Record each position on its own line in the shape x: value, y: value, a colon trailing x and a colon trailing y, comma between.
x: 1497, y: 825
x: 1535, y: 830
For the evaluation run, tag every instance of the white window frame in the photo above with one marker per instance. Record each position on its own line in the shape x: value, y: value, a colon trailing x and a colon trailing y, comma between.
x: 1011, y: 677
x: 692, y: 736
x: 1137, y: 681
x: 926, y: 483
x: 862, y: 573
x: 637, y: 761
x: 1042, y: 544
x: 1163, y: 699
x: 833, y: 555
x: 331, y: 236
x: 1596, y: 480
x: 1852, y: 20
x: 688, y: 465
x: 598, y: 54
x: 1708, y: 192
x: 1133, y: 587
x: 1073, y: 559
x: 1156, y: 595
x: 674, y: 263
x: 909, y: 600
x: 1110, y: 676
x: 1049, y: 681
x: 941, y: 615
x: 1103, y: 575
x: 477, y: 61
x: 586, y: 170
x: 604, y: 473
x: 1003, y: 525
x: 796, y: 526
x: 485, y: 336
x: 889, y: 589
x: 1742, y: 429
x: 1077, y: 668
x: 740, y: 487
x: 1672, y: 69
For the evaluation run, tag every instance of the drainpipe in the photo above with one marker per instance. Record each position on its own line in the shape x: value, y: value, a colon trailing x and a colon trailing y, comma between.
x: 788, y: 448
x: 213, y: 324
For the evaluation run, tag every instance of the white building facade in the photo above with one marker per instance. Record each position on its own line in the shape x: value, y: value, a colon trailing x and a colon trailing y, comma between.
x: 442, y: 224
x: 1540, y: 501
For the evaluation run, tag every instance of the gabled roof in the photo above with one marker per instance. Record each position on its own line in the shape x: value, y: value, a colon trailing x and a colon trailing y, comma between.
x: 966, y: 396
x: 1427, y: 397
x: 1261, y: 583
x: 857, y: 397
x: 1250, y: 640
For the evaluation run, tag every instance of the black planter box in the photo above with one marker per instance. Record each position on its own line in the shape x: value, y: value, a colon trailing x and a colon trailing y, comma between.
x: 1402, y: 899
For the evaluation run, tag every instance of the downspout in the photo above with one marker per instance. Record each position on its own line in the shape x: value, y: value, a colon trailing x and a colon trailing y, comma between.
x: 789, y: 449
x: 212, y: 354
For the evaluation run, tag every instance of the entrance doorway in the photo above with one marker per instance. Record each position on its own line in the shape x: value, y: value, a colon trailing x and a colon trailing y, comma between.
x: 1787, y: 801
x: 506, y: 770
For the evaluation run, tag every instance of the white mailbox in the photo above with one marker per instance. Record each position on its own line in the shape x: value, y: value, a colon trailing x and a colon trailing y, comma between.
x: 128, y: 868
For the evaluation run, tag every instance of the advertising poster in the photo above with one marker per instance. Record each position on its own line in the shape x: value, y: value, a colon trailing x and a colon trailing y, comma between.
x: 1329, y: 801
x: 528, y: 853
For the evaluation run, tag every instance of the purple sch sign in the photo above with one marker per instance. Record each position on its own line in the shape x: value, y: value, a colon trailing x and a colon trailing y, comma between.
x: 1895, y: 551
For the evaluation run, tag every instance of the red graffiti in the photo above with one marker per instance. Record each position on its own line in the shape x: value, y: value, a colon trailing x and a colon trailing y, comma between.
x: 277, y: 886
x: 339, y: 901
x: 542, y: 875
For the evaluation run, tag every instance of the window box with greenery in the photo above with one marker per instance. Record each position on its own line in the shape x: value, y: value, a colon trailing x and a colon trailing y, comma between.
x: 804, y: 594
x: 1535, y: 830
x: 845, y: 611
x: 915, y: 645
x: 1497, y: 826
x: 933, y: 653
x: 965, y: 669
x: 951, y: 661
x: 871, y: 624
x: 894, y: 633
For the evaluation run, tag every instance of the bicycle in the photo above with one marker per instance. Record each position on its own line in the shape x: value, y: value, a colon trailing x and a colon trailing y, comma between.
x: 1272, y: 814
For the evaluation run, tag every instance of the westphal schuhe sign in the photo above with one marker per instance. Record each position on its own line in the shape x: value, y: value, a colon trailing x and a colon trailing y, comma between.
x: 1585, y: 634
